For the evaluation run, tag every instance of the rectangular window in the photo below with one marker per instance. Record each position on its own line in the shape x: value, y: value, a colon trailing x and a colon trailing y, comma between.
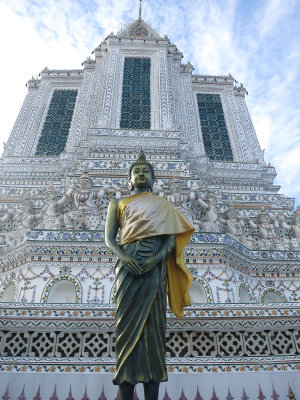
x: 136, y: 101
x: 215, y: 136
x: 57, y: 124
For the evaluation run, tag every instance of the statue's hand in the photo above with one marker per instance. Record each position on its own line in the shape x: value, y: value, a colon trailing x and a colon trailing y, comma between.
x: 131, y: 265
x: 150, y: 263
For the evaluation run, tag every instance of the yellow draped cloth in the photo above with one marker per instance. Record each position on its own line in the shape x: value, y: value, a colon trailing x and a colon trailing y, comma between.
x: 145, y: 215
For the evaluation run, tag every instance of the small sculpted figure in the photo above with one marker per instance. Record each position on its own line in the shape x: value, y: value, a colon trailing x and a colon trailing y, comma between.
x: 25, y: 218
x: 297, y: 225
x: 6, y: 225
x: 159, y: 190
x: 179, y: 199
x: 2, y: 239
x: 194, y: 206
x: 152, y: 235
x: 85, y: 199
x: 51, y: 213
x: 2, y: 234
x: 194, y: 190
x: 6, y: 219
x: 233, y: 224
x: 267, y: 229
x: 212, y: 221
x: 176, y: 197
x: 295, y: 242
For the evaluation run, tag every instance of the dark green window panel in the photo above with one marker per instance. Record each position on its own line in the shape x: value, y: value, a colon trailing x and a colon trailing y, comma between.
x: 215, y: 136
x: 57, y: 124
x: 136, y: 102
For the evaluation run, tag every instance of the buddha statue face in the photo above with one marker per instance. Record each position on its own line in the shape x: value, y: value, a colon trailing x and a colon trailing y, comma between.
x: 141, y: 174
x: 141, y: 177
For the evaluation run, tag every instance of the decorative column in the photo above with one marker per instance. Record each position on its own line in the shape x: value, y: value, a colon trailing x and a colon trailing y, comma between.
x: 80, y: 121
x: 189, y: 127
x: 15, y: 143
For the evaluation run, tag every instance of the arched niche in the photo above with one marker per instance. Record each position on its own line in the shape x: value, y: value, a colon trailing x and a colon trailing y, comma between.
x: 271, y: 296
x: 244, y: 294
x: 8, y: 294
x: 62, y: 291
x: 197, y: 293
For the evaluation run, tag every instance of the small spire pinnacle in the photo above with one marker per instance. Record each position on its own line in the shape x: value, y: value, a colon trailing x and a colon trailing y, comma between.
x: 140, y: 11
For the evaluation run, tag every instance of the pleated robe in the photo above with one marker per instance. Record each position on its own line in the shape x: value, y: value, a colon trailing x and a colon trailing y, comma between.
x: 141, y: 317
x: 140, y: 329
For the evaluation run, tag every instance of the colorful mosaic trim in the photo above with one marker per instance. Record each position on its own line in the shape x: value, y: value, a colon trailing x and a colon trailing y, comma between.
x: 212, y: 316
x: 79, y: 253
x: 275, y: 199
x: 130, y: 133
x: 197, y: 238
x: 276, y: 255
x: 201, y: 365
x: 120, y: 165
x: 82, y: 236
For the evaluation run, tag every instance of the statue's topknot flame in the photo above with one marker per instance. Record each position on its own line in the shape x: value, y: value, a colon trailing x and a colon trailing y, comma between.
x: 141, y: 157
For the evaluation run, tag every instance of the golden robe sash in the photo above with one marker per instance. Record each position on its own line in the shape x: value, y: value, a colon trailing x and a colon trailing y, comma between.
x: 146, y: 215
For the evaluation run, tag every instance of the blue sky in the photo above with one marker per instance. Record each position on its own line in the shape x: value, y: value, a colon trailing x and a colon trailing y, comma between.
x: 257, y: 41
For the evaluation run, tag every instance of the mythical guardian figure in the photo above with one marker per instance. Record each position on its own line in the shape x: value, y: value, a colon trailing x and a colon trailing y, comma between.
x: 267, y: 230
x: 51, y: 213
x: 85, y: 199
x: 212, y: 221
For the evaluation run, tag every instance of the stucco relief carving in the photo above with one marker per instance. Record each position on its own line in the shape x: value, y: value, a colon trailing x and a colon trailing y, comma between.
x: 189, y: 114
x: 257, y: 153
x: 99, y: 89
x: 20, y: 123
x: 85, y: 199
x: 38, y: 105
x: 109, y: 88
x: 81, y: 112
x: 238, y: 137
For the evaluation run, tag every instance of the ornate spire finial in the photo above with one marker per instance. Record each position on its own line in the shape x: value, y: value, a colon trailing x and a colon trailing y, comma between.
x: 140, y: 10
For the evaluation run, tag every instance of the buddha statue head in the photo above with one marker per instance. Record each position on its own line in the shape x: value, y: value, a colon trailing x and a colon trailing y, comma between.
x: 141, y: 174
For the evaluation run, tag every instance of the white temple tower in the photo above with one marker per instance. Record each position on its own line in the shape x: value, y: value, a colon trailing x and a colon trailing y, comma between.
x: 68, y: 155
